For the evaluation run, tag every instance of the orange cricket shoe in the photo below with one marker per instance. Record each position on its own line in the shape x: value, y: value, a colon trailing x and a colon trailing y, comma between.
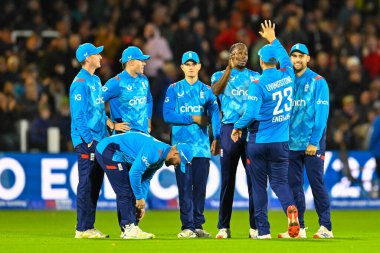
x: 293, y: 223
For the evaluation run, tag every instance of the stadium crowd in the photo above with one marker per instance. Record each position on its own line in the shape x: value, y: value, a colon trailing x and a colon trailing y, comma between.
x: 38, y: 40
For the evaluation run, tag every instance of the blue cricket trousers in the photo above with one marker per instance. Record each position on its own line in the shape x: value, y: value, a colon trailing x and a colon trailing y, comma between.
x: 90, y: 182
x: 118, y: 175
x: 231, y: 152
x: 192, y: 192
x: 314, y: 170
x: 268, y: 160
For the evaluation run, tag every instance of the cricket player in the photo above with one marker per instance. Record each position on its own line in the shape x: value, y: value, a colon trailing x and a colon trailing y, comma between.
x: 88, y: 126
x: 267, y: 117
x: 231, y: 86
x: 130, y: 161
x: 128, y: 92
x: 308, y: 141
x: 186, y: 106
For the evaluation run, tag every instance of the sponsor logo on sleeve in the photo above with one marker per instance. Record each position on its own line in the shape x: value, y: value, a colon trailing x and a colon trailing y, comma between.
x: 145, y: 161
x: 322, y: 102
x: 77, y: 97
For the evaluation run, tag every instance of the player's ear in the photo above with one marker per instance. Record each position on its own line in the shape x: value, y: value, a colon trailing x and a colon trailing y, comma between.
x: 308, y: 58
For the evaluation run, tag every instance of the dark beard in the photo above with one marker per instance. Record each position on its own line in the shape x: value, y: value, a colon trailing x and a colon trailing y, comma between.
x: 240, y: 67
x: 298, y: 70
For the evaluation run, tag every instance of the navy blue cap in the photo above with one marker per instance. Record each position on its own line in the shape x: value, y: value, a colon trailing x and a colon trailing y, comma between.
x: 133, y: 53
x: 186, y: 154
x: 267, y: 54
x: 86, y: 50
x: 190, y: 56
x: 300, y: 48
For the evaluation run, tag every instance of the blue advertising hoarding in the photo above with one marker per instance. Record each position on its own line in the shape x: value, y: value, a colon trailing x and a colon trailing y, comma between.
x: 48, y: 181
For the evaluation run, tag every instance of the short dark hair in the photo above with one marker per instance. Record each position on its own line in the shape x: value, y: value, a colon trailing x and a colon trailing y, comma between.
x: 235, y: 46
x: 272, y: 63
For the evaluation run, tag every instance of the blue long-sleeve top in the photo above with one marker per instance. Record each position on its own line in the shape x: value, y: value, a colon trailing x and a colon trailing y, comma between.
x: 310, y: 111
x: 184, y: 100
x: 88, y: 113
x: 142, y: 152
x: 130, y: 100
x: 269, y: 101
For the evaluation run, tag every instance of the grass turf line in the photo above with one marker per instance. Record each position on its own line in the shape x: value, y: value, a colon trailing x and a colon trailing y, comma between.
x: 53, y: 232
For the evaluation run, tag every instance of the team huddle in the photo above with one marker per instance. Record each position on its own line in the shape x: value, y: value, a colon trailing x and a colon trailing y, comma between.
x: 275, y: 122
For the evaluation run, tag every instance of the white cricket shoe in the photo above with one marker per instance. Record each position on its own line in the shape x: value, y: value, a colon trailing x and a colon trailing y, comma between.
x: 223, y: 233
x: 253, y: 233
x: 90, y: 233
x: 263, y: 237
x: 202, y: 233
x: 323, y: 232
x: 302, y: 234
x: 131, y: 231
x: 187, y: 233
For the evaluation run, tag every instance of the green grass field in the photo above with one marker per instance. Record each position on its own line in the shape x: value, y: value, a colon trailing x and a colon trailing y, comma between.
x: 53, y: 231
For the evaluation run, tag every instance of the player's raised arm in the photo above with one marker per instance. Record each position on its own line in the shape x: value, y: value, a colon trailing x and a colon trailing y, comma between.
x: 269, y: 34
x: 219, y: 86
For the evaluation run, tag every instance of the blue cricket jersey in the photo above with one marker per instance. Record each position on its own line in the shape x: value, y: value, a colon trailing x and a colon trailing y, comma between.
x: 130, y: 100
x: 88, y: 113
x: 270, y: 101
x: 233, y: 98
x: 310, y: 111
x: 144, y: 153
x: 184, y: 100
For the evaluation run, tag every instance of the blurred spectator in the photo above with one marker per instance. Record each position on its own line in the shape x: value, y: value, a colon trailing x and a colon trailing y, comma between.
x: 346, y: 12
x: 106, y: 37
x: 293, y: 32
x: 29, y: 102
x: 371, y: 56
x: 229, y: 35
x: 12, y: 72
x: 166, y: 76
x: 62, y: 120
x: 183, y: 39
x: 33, y: 50
x: 157, y: 47
x: 317, y: 38
x: 38, y: 129
x: 9, y: 140
x: 6, y: 44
